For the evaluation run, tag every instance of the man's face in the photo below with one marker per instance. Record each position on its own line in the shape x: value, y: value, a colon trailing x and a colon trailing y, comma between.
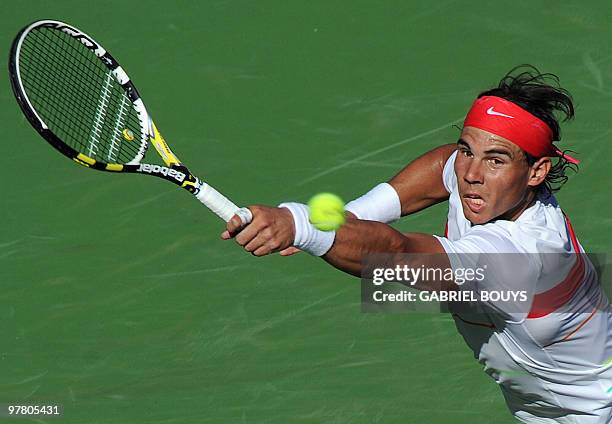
x: 493, y: 176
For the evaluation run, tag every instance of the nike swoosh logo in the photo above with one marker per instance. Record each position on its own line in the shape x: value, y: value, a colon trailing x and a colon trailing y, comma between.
x: 490, y: 111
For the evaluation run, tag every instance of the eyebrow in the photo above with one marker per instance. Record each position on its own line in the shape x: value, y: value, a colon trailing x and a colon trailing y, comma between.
x: 499, y: 151
x: 494, y: 150
x: 462, y: 142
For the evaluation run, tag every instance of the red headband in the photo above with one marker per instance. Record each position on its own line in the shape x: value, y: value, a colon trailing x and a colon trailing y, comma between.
x: 508, y: 120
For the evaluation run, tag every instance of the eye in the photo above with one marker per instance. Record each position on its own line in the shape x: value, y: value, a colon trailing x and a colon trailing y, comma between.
x: 465, y: 152
x: 496, y: 162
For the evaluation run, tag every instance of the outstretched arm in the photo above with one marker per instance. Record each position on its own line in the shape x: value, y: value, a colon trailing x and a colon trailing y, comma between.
x: 418, y: 186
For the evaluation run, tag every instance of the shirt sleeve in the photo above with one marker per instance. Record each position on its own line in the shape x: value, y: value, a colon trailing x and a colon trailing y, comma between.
x: 498, y: 273
x: 448, y: 174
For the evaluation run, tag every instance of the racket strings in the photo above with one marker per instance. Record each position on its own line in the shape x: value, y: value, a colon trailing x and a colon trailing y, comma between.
x: 78, y: 98
x: 52, y: 106
x: 86, y: 60
x: 80, y: 102
x: 64, y: 85
x: 64, y: 89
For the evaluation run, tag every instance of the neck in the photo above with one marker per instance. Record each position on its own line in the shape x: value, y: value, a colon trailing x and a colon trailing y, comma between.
x: 514, y: 213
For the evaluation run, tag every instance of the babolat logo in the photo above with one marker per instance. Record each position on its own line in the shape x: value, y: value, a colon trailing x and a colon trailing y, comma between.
x: 165, y: 171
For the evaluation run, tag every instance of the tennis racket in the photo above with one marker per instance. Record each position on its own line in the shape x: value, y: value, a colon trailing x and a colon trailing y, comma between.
x: 78, y: 98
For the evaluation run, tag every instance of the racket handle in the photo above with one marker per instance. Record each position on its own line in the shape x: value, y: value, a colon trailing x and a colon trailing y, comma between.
x: 221, y: 205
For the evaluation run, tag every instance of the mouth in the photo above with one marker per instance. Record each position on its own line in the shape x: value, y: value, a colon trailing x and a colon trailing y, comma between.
x: 474, y: 202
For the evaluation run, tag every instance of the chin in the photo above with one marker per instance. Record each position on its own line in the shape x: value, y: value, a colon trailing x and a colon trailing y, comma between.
x: 475, y: 218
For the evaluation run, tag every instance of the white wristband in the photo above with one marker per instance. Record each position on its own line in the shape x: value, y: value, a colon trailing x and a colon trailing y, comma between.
x: 307, y: 237
x: 381, y: 204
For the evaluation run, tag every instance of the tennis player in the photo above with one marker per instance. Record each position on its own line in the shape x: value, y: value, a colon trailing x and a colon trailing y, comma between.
x: 552, y: 360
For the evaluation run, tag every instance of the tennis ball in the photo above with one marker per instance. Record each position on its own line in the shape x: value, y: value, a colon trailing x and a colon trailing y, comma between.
x: 326, y: 211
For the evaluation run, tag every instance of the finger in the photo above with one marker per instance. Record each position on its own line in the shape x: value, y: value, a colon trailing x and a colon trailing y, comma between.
x: 225, y: 235
x: 257, y: 242
x: 247, y: 234
x: 234, y: 225
x: 289, y: 251
x: 262, y: 251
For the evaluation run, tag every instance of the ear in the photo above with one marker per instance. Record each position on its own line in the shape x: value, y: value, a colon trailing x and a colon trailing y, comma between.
x: 538, y: 171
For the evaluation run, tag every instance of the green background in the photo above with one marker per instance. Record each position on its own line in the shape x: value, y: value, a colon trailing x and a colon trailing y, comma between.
x: 120, y: 302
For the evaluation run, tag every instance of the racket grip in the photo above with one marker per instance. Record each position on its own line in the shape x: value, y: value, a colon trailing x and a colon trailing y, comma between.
x: 221, y: 205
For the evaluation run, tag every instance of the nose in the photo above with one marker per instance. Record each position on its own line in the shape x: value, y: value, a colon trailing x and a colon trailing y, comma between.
x: 473, y: 173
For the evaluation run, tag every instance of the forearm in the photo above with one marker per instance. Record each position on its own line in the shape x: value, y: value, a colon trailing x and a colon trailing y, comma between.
x: 358, y: 239
x: 420, y: 183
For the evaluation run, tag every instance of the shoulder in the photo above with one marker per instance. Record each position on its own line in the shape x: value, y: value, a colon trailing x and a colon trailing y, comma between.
x: 494, y: 237
x: 542, y: 228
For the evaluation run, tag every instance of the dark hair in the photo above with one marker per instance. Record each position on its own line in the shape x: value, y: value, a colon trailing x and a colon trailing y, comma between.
x: 541, y: 95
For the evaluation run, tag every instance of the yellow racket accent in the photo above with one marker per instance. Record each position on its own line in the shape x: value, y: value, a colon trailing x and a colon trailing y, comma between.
x: 186, y: 183
x: 84, y: 160
x: 162, y: 148
x: 114, y: 167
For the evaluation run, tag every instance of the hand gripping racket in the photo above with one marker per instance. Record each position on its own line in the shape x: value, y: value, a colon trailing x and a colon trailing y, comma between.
x: 78, y: 98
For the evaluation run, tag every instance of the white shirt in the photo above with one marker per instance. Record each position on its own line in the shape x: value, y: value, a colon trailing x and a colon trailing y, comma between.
x: 552, y: 356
